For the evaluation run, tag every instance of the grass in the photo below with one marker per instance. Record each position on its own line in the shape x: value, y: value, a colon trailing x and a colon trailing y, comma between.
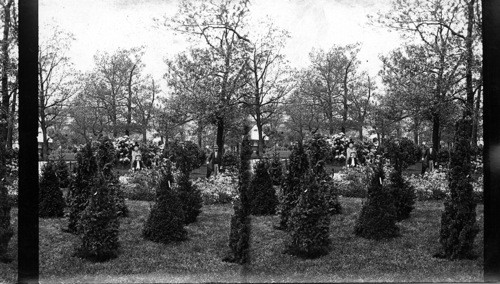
x: 406, y: 258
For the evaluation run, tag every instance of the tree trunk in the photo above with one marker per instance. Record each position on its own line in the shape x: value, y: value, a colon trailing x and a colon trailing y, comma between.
x: 475, y: 125
x: 436, y: 124
x: 260, y: 148
x: 45, y: 143
x: 220, y: 138
x: 144, y: 132
x: 10, y: 130
x: 129, y: 102
x: 361, y: 133
x: 4, y: 111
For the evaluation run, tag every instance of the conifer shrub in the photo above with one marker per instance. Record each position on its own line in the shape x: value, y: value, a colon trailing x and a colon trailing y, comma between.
x: 263, y: 196
x: 318, y: 149
x: 402, y: 153
x: 80, y: 187
x: 377, y: 219
x: 99, y: 224
x: 62, y: 172
x: 309, y: 221
x: 105, y: 157
x: 276, y: 169
x: 51, y: 200
x: 297, y: 167
x: 165, y: 223
x: 190, y: 196
x: 239, y: 236
x: 458, y: 221
x: 6, y: 231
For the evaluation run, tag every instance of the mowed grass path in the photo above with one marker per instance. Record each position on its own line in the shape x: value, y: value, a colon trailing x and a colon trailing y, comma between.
x: 407, y: 258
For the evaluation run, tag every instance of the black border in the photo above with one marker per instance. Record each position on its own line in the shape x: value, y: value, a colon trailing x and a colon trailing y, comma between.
x: 28, y: 148
x: 491, y: 116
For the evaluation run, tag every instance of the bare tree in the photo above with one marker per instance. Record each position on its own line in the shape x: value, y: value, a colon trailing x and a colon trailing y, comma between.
x: 55, y: 79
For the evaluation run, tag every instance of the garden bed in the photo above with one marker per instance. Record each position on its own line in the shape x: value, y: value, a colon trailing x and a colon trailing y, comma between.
x: 407, y: 258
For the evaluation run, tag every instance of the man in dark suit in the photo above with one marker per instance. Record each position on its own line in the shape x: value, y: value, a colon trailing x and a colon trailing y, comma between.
x: 430, y: 158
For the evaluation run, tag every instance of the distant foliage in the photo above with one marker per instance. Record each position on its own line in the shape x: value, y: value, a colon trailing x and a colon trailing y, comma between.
x: 404, y: 195
x: 186, y: 155
x: 378, y: 215
x: 51, y: 200
x: 458, y: 221
x: 230, y: 161
x: 99, y: 224
x: 309, y: 221
x: 263, y: 195
x: 401, y: 152
x: 165, y: 223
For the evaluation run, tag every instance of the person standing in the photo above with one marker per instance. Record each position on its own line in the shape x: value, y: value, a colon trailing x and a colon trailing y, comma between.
x: 135, y: 152
x: 351, y: 149
x: 423, y: 152
x: 216, y: 160
x: 352, y: 161
x: 210, y: 164
x: 430, y: 157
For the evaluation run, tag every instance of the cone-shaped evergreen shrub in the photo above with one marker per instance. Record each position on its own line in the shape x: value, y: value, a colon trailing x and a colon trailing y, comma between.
x: 99, y: 224
x: 6, y: 231
x: 79, y: 191
x: 318, y: 150
x: 378, y: 215
x: 62, y: 172
x: 309, y: 221
x: 403, y: 195
x: 402, y: 153
x: 51, y: 200
x: 276, y: 169
x: 105, y: 155
x: 165, y: 223
x: 291, y: 185
x: 264, y: 199
x: 239, y: 236
x: 190, y: 197
x: 458, y: 221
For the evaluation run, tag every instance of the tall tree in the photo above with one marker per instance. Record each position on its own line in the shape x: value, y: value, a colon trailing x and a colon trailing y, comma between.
x: 9, y: 70
x: 446, y: 29
x: 218, y: 25
x: 144, y: 101
x: 269, y: 77
x: 55, y: 79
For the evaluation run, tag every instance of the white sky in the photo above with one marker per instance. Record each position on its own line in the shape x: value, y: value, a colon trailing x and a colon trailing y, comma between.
x: 107, y: 25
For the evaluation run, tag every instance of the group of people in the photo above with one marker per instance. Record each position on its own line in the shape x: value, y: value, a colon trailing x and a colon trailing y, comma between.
x: 213, y: 162
x: 429, y: 158
x: 353, y: 160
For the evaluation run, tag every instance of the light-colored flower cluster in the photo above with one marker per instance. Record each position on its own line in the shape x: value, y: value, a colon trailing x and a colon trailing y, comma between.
x: 12, y: 188
x: 430, y: 186
x: 218, y: 190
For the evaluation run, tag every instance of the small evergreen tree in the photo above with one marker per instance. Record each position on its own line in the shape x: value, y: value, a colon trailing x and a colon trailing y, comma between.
x: 291, y: 185
x: 458, y: 221
x: 378, y: 215
x: 165, y: 223
x: 6, y: 231
x: 62, y: 172
x: 79, y: 191
x: 402, y: 153
x: 263, y: 196
x: 309, y: 221
x: 51, y: 200
x: 99, y: 224
x: 105, y: 156
x: 318, y: 150
x: 190, y: 197
x: 239, y: 236
x: 276, y: 169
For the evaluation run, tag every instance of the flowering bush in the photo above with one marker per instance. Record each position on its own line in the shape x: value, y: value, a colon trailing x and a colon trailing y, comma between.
x: 339, y: 143
x: 140, y: 185
x: 432, y: 186
x: 218, y: 190
x: 352, y: 182
x: 123, y: 146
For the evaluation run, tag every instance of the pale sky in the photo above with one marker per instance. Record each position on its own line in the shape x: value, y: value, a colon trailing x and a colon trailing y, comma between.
x: 107, y: 25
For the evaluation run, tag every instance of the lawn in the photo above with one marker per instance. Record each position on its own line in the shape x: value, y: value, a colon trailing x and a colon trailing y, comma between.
x: 407, y: 258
